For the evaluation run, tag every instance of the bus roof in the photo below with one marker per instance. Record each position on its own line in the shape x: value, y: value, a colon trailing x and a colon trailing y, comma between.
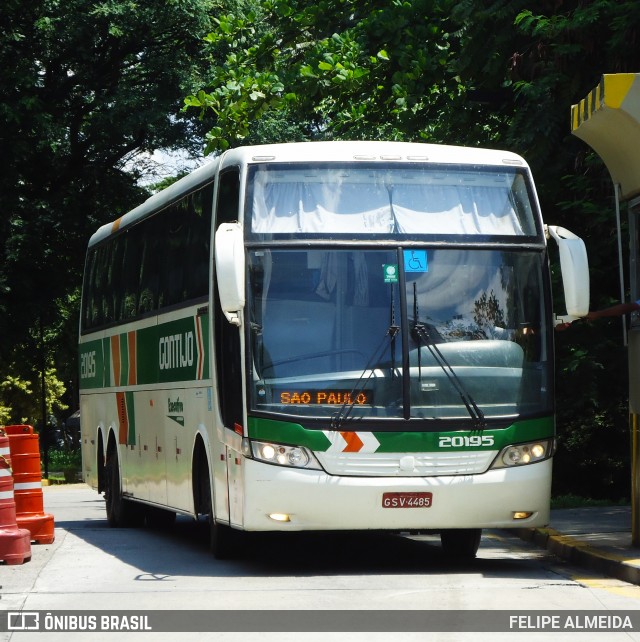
x: 321, y: 151
x: 345, y: 151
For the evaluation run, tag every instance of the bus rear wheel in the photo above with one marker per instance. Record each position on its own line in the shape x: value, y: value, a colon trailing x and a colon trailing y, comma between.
x: 461, y: 544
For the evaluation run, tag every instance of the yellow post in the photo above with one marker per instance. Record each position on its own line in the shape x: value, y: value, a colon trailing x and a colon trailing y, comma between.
x: 635, y: 481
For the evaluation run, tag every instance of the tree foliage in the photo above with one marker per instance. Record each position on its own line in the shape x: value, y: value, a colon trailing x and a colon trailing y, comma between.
x: 85, y: 87
x: 338, y: 68
x: 22, y: 399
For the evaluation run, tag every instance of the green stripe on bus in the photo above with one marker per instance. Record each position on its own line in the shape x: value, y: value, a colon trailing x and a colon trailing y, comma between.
x: 521, y: 431
x: 286, y: 432
x: 92, y: 364
x: 404, y: 442
x: 170, y: 352
x: 147, y: 347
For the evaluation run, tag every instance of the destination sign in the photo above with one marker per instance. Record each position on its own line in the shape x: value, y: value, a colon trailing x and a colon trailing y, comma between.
x: 326, y: 396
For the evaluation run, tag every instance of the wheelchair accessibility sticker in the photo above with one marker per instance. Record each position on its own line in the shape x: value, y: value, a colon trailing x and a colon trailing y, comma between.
x: 415, y: 261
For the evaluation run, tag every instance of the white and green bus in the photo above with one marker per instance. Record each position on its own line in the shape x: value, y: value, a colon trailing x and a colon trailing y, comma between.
x: 327, y: 336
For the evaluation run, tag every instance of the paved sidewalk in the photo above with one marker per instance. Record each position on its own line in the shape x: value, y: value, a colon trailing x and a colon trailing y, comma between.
x: 598, y: 538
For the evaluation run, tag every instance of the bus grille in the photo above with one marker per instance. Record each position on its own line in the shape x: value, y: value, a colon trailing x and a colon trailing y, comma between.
x: 406, y: 464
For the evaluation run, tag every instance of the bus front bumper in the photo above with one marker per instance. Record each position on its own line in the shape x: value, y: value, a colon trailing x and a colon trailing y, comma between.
x: 278, y: 498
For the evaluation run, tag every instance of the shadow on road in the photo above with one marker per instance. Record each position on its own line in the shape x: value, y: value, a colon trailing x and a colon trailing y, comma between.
x: 182, y: 549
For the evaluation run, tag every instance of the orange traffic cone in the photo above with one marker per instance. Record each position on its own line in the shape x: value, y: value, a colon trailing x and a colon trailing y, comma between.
x: 15, y: 543
x: 24, y: 445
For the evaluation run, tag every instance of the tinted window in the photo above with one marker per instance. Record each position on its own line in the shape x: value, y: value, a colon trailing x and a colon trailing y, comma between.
x: 160, y: 262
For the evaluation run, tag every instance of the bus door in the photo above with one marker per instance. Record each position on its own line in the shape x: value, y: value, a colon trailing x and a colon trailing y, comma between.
x: 227, y: 341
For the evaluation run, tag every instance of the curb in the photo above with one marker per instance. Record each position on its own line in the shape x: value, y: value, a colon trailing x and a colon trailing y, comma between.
x: 571, y: 549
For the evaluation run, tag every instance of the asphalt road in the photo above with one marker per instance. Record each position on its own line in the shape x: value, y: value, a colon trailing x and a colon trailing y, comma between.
x: 93, y: 567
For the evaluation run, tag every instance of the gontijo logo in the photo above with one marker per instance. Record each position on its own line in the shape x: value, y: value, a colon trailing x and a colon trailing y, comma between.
x: 176, y: 350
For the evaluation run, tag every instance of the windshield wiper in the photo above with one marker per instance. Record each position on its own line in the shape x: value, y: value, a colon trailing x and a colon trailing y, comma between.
x: 344, y: 413
x: 420, y: 332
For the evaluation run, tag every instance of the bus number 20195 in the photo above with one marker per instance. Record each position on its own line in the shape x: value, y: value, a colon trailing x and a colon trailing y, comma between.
x: 466, y: 441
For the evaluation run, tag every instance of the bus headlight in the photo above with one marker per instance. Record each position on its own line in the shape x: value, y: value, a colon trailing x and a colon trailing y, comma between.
x: 280, y: 455
x: 523, y: 454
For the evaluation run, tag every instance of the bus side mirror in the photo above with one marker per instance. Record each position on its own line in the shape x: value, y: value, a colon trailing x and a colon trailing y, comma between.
x: 574, y: 266
x: 229, y: 257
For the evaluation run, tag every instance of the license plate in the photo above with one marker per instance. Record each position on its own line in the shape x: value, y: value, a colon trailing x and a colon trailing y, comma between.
x: 407, y: 500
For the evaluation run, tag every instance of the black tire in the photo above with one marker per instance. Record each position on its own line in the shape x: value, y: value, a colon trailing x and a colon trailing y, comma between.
x: 461, y: 544
x: 121, y: 513
x: 223, y: 540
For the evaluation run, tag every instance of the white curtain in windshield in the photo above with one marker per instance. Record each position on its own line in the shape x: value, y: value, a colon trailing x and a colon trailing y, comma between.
x: 342, y: 205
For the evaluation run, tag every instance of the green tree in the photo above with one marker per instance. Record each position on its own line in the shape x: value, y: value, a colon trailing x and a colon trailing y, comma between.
x: 85, y: 88
x: 552, y: 56
x: 23, y: 398
x: 338, y: 69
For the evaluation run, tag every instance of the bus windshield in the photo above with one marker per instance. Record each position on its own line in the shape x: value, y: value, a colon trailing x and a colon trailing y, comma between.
x: 398, y: 333
x: 387, y: 200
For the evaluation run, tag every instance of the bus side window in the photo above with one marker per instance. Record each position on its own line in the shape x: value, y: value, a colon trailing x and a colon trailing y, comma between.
x: 102, y: 295
x: 90, y: 300
x: 228, y: 197
x: 198, y: 244
x: 128, y: 304
x: 150, y: 258
x: 227, y: 336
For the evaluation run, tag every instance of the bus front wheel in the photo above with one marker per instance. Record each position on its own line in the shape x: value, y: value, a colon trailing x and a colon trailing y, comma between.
x: 461, y: 544
x: 222, y: 538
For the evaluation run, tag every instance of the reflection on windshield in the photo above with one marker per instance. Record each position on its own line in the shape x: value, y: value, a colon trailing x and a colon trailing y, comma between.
x: 326, y: 338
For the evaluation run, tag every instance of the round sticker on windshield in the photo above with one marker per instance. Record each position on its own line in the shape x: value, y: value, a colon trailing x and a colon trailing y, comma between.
x: 390, y: 273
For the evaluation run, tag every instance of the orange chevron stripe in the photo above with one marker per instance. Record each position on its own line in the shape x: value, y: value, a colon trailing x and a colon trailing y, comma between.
x: 200, y: 348
x: 123, y: 418
x: 354, y: 443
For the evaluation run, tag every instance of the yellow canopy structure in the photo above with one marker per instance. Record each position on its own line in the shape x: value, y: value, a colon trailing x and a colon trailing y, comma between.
x: 608, y: 119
